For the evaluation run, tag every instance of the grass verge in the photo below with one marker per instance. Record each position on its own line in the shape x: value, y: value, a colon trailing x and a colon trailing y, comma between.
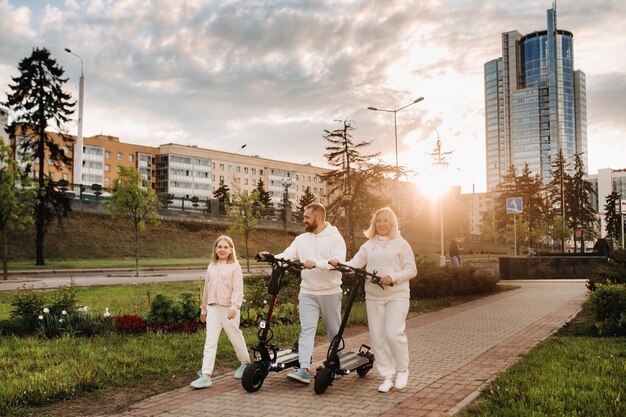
x: 569, y: 374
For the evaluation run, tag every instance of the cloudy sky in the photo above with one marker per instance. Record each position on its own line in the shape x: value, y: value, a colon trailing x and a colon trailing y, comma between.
x: 274, y: 74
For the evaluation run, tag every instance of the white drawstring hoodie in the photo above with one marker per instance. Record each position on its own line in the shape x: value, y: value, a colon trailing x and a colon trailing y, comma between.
x: 320, y: 248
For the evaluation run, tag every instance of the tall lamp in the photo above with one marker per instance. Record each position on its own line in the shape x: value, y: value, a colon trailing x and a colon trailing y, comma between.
x: 395, y: 130
x: 78, y: 146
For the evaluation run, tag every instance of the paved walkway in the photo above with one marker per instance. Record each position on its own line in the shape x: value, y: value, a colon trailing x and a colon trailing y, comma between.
x: 454, y: 352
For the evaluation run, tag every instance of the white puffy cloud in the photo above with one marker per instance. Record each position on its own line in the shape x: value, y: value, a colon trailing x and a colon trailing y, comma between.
x: 266, y: 72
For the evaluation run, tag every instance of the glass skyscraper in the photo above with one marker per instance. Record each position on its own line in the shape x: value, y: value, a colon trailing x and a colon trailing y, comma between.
x: 535, y: 103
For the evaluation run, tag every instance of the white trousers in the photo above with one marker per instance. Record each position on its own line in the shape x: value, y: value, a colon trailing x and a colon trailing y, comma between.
x: 311, y: 307
x: 216, y: 320
x: 387, y: 321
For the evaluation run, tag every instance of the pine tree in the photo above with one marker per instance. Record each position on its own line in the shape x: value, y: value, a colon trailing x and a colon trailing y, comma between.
x: 38, y: 101
x: 612, y: 217
x: 579, y: 194
x: 222, y: 193
x: 306, y: 199
x: 352, y: 184
x: 559, y: 205
x: 264, y: 196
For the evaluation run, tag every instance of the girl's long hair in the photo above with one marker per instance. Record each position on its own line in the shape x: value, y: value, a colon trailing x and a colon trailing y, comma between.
x: 232, y: 257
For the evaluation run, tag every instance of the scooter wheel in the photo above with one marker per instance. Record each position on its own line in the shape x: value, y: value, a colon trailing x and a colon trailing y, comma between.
x: 363, y: 370
x: 253, y: 376
x: 323, y: 380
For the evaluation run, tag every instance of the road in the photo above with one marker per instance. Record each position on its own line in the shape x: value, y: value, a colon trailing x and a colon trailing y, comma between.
x: 60, y: 278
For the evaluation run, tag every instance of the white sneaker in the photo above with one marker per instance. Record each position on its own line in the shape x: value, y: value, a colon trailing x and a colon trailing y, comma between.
x: 203, y: 382
x: 386, y: 385
x: 402, y: 379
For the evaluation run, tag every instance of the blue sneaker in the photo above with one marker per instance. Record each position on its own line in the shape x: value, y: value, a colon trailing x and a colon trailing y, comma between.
x: 301, y: 376
x: 239, y: 371
x: 203, y: 382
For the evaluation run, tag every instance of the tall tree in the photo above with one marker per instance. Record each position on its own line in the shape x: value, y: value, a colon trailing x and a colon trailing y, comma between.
x: 352, y: 185
x: 557, y: 189
x: 38, y: 101
x: 222, y: 193
x: 133, y: 201
x: 245, y: 217
x: 264, y: 196
x: 535, y: 214
x: 582, y: 216
x: 612, y: 217
x: 307, y: 198
x: 17, y: 199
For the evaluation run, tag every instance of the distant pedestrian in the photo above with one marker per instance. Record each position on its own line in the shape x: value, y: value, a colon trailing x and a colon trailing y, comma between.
x: 387, y: 253
x: 456, y: 246
x: 221, y: 300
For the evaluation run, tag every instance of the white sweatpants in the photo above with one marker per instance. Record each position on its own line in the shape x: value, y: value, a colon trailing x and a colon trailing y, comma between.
x: 216, y: 320
x: 387, y: 321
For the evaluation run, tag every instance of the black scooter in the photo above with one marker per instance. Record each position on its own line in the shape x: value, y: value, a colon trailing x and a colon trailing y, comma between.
x: 337, y: 361
x: 267, y: 356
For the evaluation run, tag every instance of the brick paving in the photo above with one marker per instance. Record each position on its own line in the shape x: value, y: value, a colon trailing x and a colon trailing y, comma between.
x: 454, y: 352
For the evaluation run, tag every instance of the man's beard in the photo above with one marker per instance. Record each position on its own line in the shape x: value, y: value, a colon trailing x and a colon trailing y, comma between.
x: 310, y: 227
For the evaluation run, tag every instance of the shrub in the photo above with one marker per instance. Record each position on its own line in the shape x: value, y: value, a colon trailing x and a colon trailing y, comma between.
x: 613, y: 273
x: 63, y: 299
x: 27, y: 305
x: 608, y: 302
x: 163, y: 309
x: 435, y: 281
x: 189, y: 307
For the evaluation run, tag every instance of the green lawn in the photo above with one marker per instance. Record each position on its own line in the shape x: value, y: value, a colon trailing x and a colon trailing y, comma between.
x: 569, y: 374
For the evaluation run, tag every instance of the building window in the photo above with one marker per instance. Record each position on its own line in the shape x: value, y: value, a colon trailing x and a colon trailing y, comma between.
x: 118, y: 169
x: 260, y: 172
x: 212, y: 177
x: 119, y: 156
x: 50, y: 162
x: 222, y: 167
x: 107, y: 168
x: 253, y: 171
x: 221, y: 178
x: 254, y: 182
x: 245, y: 170
x: 51, y: 175
x: 64, y: 177
x: 130, y: 158
x: 107, y: 181
x: 238, y: 169
x: 245, y: 181
x: 107, y: 154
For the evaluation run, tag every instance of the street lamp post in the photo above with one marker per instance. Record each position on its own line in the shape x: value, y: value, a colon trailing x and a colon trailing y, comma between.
x: 286, y: 184
x: 231, y: 169
x: 78, y: 147
x: 439, y: 161
x: 395, y: 130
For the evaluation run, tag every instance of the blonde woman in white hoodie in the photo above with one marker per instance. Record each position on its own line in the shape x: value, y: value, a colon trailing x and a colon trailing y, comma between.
x: 320, y: 289
x: 387, y: 253
x: 221, y: 300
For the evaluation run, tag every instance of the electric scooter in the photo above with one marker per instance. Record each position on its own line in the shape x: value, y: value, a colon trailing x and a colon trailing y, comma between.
x: 267, y: 356
x: 337, y: 361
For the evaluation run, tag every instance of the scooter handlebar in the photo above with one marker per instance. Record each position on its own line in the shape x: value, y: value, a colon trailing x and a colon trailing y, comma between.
x: 370, y: 276
x: 279, y: 261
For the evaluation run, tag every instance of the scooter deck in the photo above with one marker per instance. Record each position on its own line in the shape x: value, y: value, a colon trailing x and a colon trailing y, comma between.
x: 285, y: 358
x: 349, y: 361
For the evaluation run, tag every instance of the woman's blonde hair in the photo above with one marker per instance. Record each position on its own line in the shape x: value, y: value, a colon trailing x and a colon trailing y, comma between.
x: 232, y: 257
x: 393, y: 233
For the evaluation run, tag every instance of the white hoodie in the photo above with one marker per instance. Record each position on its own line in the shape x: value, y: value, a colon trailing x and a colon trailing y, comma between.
x: 393, y: 257
x: 320, y: 248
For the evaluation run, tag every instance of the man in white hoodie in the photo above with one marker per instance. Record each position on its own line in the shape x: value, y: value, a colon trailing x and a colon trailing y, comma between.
x: 320, y: 289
